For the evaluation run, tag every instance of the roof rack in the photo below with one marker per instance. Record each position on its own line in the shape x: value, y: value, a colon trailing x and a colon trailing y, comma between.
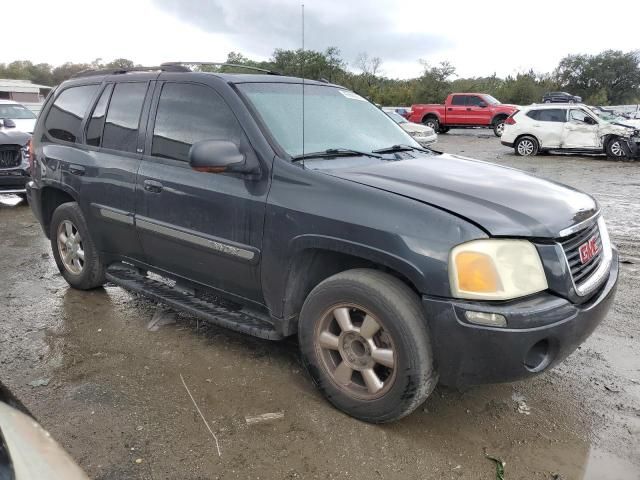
x: 219, y: 64
x: 120, y: 71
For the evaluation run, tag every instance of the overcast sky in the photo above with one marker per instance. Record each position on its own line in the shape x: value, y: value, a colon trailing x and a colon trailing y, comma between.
x: 478, y: 38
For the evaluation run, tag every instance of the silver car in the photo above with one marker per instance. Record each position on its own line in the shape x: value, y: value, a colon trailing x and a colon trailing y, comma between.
x: 23, y: 118
x: 422, y: 134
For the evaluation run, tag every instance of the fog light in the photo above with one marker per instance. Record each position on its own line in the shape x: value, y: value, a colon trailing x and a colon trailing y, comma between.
x: 482, y: 318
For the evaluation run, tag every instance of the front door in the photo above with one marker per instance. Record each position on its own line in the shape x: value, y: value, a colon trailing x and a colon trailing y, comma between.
x: 204, y: 227
x: 477, y: 114
x: 581, y: 131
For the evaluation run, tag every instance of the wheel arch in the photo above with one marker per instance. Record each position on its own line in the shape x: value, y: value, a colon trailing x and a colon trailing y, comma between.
x: 499, y: 116
x: 317, y: 258
x: 50, y: 199
x: 430, y: 115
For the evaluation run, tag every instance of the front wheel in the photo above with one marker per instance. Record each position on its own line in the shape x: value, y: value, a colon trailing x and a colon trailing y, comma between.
x: 365, y: 343
x: 526, y: 147
x: 615, y: 149
x: 73, y: 250
x: 498, y: 128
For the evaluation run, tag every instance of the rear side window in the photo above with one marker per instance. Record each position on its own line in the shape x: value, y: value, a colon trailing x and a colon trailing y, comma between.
x: 123, y: 117
x: 548, y: 115
x: 65, y: 116
x: 459, y: 100
x: 96, y: 123
x: 189, y: 113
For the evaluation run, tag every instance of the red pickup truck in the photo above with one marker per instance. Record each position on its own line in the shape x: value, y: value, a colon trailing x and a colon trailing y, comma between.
x: 463, y: 110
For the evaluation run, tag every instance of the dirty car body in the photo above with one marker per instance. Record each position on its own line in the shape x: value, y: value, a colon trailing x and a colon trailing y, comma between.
x: 14, y: 161
x: 395, y: 265
x: 570, y: 128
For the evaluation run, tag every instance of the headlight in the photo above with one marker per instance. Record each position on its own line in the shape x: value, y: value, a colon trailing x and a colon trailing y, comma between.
x: 495, y: 270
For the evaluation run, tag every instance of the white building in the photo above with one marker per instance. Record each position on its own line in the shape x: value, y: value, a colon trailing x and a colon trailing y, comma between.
x: 31, y: 95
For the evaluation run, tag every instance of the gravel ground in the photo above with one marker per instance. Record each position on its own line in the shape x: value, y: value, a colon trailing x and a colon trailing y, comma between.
x: 116, y: 402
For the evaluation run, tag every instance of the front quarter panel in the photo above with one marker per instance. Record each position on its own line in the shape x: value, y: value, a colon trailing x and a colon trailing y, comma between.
x: 308, y: 209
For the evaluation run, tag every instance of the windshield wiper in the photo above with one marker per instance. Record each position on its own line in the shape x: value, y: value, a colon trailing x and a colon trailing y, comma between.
x: 335, y: 152
x: 400, y: 148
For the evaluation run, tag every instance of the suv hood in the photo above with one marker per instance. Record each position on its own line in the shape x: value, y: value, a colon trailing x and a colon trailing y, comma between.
x: 501, y: 200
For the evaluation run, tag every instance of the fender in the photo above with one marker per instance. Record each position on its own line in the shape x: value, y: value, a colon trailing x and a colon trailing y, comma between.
x: 433, y: 113
x: 498, y: 115
x: 366, y: 252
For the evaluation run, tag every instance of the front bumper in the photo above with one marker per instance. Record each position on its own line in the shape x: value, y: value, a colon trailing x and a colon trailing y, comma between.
x: 13, y: 180
x: 427, y: 141
x: 541, y: 332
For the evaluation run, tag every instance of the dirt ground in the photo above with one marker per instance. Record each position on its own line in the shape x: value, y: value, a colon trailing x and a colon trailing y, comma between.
x: 115, y: 400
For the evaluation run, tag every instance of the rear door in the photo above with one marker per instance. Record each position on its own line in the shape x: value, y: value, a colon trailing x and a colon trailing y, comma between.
x: 547, y: 125
x: 457, y: 110
x: 113, y: 144
x: 580, y: 134
x: 203, y: 227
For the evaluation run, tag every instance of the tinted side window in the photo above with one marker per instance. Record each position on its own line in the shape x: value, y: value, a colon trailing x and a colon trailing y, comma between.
x: 458, y: 100
x: 187, y: 114
x: 123, y: 117
x: 533, y: 114
x: 96, y: 124
x: 65, y: 116
x: 474, y: 101
x: 552, y: 115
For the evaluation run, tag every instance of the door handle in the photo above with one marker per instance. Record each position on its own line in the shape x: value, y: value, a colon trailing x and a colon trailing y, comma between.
x: 469, y: 109
x: 152, y: 186
x: 76, y: 169
x: 450, y: 109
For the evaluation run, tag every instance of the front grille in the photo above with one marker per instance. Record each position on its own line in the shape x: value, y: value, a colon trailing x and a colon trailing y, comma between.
x: 571, y: 246
x: 10, y: 156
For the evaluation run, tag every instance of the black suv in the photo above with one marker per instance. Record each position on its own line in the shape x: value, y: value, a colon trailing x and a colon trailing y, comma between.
x: 396, y: 266
x: 560, y: 97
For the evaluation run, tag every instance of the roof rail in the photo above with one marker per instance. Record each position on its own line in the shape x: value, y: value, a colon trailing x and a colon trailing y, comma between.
x: 120, y: 71
x: 219, y: 64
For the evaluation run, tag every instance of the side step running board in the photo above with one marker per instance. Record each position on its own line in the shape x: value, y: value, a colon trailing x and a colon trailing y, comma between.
x: 243, y: 320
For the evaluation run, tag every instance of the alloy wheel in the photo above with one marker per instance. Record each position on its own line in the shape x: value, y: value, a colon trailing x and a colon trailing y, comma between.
x: 616, y: 149
x: 70, y: 247
x: 500, y: 128
x: 356, y: 350
x: 525, y: 147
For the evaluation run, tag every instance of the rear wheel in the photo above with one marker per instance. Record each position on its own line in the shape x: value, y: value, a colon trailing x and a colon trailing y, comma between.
x: 526, y: 146
x: 547, y: 101
x: 73, y: 250
x: 615, y: 149
x: 432, y: 122
x: 365, y: 344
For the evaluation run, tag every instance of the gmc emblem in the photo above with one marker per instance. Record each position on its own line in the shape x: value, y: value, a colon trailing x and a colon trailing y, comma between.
x: 588, y: 250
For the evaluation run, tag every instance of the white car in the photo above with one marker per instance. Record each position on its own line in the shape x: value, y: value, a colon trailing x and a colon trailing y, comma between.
x: 422, y: 134
x: 24, y: 119
x: 568, y: 127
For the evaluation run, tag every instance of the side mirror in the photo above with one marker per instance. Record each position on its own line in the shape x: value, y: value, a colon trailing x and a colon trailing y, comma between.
x: 216, y: 156
x: 7, y: 123
x: 482, y: 104
x: 589, y: 121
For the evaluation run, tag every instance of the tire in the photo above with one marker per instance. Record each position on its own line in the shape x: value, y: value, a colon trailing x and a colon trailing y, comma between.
x: 498, y: 127
x: 572, y: 101
x: 615, y: 149
x: 526, y: 146
x: 443, y: 129
x: 23, y: 197
x: 407, y: 375
x: 547, y: 101
x: 432, y: 122
x: 88, y: 271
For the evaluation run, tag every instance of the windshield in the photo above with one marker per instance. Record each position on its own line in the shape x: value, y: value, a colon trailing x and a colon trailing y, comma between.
x: 334, y: 118
x: 489, y: 99
x: 396, y: 117
x: 15, y: 111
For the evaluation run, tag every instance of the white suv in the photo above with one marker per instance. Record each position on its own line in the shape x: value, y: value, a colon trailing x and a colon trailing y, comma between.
x: 567, y: 127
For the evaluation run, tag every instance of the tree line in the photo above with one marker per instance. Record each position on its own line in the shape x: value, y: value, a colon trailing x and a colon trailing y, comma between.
x: 611, y: 77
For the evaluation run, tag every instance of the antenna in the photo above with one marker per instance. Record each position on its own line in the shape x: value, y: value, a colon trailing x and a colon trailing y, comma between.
x: 303, y: 65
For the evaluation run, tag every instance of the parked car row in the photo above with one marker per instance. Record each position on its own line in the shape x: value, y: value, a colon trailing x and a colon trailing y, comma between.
x: 422, y: 134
